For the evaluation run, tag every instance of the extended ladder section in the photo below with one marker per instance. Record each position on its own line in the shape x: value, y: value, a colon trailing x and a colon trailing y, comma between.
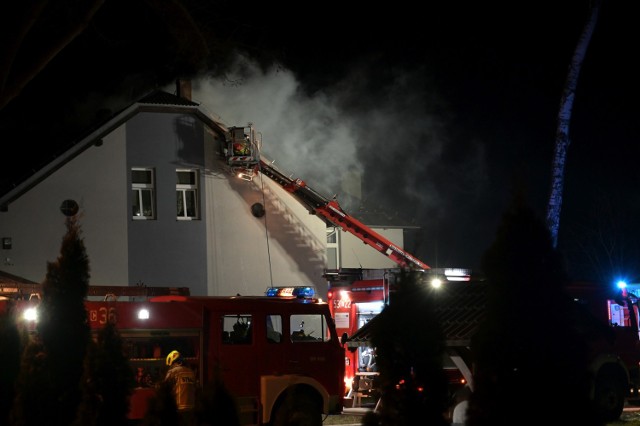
x: 242, y: 152
x: 331, y: 212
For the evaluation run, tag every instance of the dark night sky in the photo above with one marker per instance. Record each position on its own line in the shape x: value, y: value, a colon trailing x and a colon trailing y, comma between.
x: 441, y: 109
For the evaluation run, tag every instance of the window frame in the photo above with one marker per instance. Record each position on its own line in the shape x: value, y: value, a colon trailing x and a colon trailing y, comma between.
x: 237, y: 329
x: 309, y: 328
x: 138, y: 189
x: 182, y: 191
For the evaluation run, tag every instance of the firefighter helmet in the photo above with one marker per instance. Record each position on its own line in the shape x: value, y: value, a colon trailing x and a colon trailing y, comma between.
x: 172, y: 357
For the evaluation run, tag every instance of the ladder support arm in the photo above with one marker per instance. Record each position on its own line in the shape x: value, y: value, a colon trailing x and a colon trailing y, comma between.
x: 331, y: 212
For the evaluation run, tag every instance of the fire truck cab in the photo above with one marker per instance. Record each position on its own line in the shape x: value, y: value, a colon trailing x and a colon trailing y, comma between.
x: 265, y: 349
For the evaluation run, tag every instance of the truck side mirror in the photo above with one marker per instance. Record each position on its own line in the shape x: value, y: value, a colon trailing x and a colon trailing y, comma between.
x: 344, y: 338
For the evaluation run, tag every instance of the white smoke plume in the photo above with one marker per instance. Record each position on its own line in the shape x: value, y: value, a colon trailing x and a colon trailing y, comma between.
x: 396, y: 137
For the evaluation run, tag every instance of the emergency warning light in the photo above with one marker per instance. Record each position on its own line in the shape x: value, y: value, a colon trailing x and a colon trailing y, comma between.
x: 622, y: 285
x: 628, y: 289
x: 300, y: 292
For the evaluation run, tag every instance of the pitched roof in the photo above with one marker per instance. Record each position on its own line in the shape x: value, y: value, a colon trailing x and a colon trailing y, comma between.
x: 7, y: 278
x: 12, y: 285
x: 157, y: 100
x: 161, y: 97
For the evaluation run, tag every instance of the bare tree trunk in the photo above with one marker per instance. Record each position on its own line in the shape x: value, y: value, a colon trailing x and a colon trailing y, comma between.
x: 564, y: 118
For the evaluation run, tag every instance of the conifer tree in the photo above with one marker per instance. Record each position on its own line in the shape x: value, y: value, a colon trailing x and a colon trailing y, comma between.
x: 10, y: 350
x: 52, y: 366
x: 409, y: 345
x: 34, y: 399
x: 528, y: 350
x: 91, y: 403
x: 108, y: 381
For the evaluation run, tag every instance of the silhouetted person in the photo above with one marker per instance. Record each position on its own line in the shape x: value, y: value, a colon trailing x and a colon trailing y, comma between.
x: 183, y: 380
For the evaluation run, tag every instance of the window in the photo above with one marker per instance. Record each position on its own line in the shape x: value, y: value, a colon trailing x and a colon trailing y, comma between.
x: 236, y: 329
x: 187, y: 194
x: 309, y: 328
x: 274, y: 328
x: 142, y: 193
x: 333, y: 249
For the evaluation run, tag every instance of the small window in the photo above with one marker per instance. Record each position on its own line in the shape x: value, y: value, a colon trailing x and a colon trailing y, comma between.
x: 309, y: 328
x: 236, y: 329
x: 274, y: 328
x: 333, y: 249
x: 142, y: 194
x: 187, y: 194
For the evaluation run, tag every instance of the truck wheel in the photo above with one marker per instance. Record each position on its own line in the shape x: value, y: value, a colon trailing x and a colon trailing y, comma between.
x: 299, y: 408
x: 609, y: 398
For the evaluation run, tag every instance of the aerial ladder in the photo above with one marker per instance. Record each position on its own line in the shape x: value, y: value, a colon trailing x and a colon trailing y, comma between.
x: 242, y: 153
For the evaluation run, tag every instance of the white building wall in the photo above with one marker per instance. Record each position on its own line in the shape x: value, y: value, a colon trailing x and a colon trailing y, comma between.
x: 304, y: 252
x: 356, y: 254
x: 94, y: 179
x: 285, y: 247
x: 228, y: 251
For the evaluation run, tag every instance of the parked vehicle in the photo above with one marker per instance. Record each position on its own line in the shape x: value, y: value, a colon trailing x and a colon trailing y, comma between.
x: 608, y: 316
x: 265, y: 349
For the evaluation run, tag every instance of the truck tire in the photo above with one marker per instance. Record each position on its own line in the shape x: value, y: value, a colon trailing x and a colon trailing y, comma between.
x: 299, y: 408
x: 609, y: 397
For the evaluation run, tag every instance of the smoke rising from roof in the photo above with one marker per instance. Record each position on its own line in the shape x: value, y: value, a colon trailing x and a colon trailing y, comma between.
x: 395, y: 135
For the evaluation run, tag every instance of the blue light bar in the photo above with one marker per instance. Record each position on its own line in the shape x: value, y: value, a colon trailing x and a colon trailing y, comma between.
x: 300, y: 292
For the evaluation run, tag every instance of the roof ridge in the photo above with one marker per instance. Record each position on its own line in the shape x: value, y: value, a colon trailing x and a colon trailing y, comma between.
x: 159, y: 96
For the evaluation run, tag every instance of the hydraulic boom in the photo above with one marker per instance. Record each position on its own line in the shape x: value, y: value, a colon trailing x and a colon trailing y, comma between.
x: 331, y: 212
x: 242, y: 152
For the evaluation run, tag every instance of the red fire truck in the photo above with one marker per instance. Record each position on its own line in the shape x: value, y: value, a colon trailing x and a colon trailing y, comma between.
x: 264, y: 348
x: 615, y: 342
x: 608, y: 317
x: 355, y: 297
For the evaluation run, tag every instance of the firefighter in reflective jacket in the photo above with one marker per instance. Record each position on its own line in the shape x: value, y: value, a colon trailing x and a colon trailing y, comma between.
x: 183, y: 380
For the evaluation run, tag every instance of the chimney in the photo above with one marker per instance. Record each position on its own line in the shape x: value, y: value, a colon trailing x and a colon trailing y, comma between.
x: 183, y: 89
